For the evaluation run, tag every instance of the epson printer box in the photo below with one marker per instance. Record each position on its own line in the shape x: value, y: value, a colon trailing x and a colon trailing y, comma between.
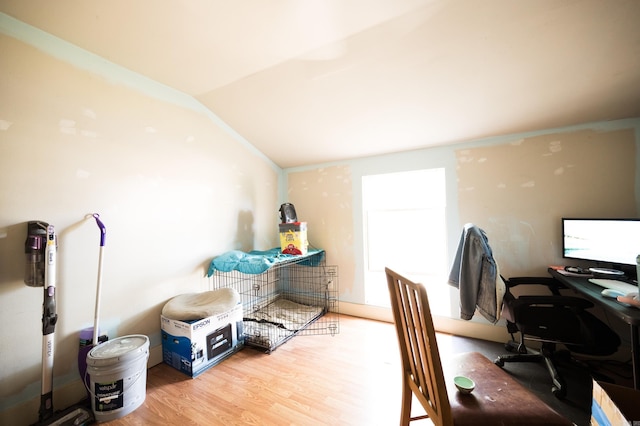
x: 194, y: 346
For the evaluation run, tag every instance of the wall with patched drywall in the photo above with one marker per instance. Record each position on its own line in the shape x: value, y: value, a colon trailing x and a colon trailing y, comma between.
x: 518, y: 191
x: 516, y: 187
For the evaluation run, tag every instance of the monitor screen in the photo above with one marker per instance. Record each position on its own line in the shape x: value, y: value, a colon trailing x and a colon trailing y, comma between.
x: 615, y: 241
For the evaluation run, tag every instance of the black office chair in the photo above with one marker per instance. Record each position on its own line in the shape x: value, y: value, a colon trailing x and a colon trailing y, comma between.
x: 552, y: 320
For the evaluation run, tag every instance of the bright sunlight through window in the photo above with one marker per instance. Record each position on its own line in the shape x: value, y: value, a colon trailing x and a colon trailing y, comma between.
x: 405, y: 229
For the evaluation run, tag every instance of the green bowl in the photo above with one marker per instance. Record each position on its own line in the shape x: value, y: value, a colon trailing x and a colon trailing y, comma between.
x: 464, y: 384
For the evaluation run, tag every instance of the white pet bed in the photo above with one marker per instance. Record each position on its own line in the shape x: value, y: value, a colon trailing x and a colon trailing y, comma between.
x: 194, y: 306
x: 276, y: 322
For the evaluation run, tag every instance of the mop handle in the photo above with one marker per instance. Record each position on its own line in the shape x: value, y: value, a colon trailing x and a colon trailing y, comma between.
x: 103, y: 233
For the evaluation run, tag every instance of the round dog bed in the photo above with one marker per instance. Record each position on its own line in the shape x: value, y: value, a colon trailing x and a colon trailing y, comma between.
x: 193, y: 306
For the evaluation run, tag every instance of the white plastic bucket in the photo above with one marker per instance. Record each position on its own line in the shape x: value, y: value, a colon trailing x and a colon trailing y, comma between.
x: 117, y: 372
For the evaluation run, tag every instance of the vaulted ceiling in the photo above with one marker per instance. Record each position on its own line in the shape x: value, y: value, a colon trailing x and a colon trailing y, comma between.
x: 313, y: 81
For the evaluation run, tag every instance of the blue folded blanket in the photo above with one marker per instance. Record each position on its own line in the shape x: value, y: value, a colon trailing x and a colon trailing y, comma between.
x: 256, y: 261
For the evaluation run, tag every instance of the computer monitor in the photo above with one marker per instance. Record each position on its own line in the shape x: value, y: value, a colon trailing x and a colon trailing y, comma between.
x: 612, y: 243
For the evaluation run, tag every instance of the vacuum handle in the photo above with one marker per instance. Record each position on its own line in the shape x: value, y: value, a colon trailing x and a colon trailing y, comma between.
x: 49, y: 316
x: 103, y: 229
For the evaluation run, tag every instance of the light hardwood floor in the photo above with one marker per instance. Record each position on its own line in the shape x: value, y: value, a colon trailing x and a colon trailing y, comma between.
x: 352, y: 378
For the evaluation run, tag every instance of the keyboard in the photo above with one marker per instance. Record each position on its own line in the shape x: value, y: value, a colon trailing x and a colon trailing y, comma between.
x: 620, y: 286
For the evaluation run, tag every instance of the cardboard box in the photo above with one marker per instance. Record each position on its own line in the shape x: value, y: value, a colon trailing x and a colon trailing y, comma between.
x: 195, y: 346
x: 614, y: 405
x: 293, y: 238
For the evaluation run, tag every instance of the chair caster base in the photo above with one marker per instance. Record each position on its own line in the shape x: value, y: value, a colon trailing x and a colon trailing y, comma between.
x: 515, y: 347
x: 559, y: 393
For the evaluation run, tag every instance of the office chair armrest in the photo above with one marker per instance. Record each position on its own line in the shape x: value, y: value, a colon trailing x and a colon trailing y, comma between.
x: 552, y: 284
x: 560, y: 301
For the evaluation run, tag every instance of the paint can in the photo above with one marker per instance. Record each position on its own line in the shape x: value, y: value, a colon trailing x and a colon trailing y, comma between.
x: 117, y: 372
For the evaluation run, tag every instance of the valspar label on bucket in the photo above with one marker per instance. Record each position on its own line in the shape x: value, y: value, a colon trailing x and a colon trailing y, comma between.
x: 117, y: 372
x: 109, y: 396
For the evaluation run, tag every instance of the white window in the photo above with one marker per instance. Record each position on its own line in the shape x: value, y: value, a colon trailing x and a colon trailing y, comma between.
x: 405, y: 229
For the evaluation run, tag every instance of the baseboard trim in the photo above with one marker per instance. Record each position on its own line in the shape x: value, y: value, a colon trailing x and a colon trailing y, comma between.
x: 494, y: 333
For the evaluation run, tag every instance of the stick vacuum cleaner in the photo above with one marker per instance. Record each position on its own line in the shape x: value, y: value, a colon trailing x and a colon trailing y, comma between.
x: 41, y: 258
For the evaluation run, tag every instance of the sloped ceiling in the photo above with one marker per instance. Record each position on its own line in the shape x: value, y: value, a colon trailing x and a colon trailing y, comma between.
x: 313, y: 81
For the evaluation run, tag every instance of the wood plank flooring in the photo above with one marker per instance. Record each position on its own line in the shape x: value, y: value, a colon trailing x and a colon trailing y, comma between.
x: 352, y: 378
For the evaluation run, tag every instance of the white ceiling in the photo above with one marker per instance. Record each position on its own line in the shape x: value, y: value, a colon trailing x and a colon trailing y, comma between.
x: 313, y: 81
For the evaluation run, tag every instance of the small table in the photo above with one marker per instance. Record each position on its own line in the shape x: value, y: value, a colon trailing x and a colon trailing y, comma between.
x: 629, y: 315
x: 498, y: 399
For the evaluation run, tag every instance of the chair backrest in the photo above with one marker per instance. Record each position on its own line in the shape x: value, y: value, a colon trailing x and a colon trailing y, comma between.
x: 557, y: 319
x: 421, y: 365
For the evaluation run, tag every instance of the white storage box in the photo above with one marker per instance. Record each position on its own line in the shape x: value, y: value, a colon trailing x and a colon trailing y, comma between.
x: 194, y: 346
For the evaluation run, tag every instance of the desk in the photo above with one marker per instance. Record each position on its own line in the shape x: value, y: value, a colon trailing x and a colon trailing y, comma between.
x: 629, y: 315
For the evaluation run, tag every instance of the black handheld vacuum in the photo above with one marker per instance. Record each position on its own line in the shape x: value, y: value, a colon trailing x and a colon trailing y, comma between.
x: 41, y: 258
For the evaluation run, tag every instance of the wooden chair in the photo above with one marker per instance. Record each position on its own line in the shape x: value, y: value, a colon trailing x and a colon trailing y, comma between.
x: 497, y: 399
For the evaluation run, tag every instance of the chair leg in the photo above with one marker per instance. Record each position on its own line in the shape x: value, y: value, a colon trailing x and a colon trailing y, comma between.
x: 517, y: 347
x: 407, y: 397
x: 559, y: 387
x: 529, y: 357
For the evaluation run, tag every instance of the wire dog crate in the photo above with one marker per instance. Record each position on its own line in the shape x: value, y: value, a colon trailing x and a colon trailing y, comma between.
x: 296, y: 295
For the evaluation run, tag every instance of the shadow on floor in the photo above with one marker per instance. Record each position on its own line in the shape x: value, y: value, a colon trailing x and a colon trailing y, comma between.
x: 576, y: 406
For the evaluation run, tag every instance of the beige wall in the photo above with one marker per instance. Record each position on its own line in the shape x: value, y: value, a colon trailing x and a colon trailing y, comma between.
x: 324, y: 199
x: 173, y: 188
x: 518, y: 191
x: 515, y: 187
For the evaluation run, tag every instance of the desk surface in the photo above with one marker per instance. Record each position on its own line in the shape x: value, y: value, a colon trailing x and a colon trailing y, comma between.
x: 628, y: 314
